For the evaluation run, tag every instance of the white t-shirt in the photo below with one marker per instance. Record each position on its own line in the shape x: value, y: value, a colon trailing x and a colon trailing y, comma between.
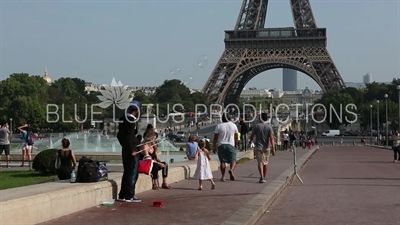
x: 226, y: 133
x: 285, y: 136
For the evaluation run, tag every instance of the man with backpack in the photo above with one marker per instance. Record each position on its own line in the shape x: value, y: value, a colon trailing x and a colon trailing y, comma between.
x: 244, y: 129
x: 128, y: 129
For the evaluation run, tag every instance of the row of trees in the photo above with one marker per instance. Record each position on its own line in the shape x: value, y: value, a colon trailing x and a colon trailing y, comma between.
x: 28, y: 99
x: 373, y: 95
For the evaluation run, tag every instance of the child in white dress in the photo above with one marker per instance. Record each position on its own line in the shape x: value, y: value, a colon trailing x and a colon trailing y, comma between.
x: 203, y: 170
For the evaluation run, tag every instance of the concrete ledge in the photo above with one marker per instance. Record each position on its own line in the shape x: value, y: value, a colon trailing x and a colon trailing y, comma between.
x: 43, y: 202
x: 251, y: 212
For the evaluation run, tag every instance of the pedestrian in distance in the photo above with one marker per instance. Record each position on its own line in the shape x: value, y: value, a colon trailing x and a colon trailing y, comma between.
x: 264, y: 145
x: 396, y: 146
x: 225, y: 143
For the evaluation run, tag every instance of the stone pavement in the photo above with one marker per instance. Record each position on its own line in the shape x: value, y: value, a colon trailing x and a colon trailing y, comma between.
x: 184, y: 204
x: 347, y: 185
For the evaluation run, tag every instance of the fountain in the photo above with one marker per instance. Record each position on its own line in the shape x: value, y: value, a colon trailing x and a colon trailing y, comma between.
x: 94, y: 142
x: 98, y: 142
x: 85, y: 141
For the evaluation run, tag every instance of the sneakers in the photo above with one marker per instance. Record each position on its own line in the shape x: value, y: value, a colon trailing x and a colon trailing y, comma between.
x: 262, y: 180
x: 134, y: 199
x: 231, y: 175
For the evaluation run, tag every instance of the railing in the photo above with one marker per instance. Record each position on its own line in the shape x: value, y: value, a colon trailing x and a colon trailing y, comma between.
x: 275, y: 33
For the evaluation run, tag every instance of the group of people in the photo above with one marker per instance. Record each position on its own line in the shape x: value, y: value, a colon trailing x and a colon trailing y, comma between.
x: 27, y: 141
x: 136, y: 147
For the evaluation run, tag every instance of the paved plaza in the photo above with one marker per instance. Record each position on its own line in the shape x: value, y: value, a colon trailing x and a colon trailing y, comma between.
x: 342, y: 185
x: 184, y: 204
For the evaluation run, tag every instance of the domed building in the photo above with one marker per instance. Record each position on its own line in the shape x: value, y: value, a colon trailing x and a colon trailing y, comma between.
x: 46, y: 77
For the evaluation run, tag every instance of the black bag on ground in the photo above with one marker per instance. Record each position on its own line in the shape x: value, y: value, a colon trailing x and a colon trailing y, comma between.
x: 87, y: 170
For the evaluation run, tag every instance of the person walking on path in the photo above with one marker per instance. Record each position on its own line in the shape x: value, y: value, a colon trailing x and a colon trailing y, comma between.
x: 203, y: 169
x: 130, y: 161
x: 262, y: 146
x: 225, y: 143
x: 5, y: 142
x: 396, y: 146
x: 244, y: 129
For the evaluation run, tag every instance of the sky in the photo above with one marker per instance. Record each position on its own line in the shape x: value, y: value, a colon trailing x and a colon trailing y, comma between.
x: 143, y: 43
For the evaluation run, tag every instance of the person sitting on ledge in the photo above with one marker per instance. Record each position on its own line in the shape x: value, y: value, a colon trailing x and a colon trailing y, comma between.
x: 150, y: 149
x: 68, y: 160
x: 191, y: 148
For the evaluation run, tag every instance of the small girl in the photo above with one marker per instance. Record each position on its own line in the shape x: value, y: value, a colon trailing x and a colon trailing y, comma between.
x: 203, y: 170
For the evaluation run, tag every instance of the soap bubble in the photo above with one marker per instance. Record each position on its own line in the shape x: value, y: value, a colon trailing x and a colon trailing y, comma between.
x: 188, y: 81
x: 203, y: 61
x: 175, y: 71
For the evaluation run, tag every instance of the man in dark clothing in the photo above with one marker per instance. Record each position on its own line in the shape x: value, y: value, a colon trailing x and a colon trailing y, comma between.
x: 128, y: 129
x: 244, y: 129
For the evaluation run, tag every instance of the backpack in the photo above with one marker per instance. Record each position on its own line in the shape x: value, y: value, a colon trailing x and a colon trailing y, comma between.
x: 102, y: 172
x: 31, y: 139
x: 56, y: 163
x: 88, y: 170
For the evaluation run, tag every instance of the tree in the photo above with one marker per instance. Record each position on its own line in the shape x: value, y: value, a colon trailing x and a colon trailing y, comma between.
x: 356, y: 94
x: 23, y: 98
x: 171, y: 89
x: 142, y: 97
x: 340, y: 103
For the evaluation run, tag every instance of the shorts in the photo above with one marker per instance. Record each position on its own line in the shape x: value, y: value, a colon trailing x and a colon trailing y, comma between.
x: 226, y: 153
x: 292, y: 143
x: 5, y: 149
x: 25, y: 146
x: 262, y: 155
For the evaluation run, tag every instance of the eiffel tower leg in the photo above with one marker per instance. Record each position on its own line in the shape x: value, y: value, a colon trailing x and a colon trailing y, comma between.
x: 222, y: 72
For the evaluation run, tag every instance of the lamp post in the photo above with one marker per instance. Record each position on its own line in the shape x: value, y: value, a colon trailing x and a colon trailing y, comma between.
x: 11, y: 129
x: 377, y: 123
x: 387, y: 127
x: 398, y: 88
x: 371, y: 125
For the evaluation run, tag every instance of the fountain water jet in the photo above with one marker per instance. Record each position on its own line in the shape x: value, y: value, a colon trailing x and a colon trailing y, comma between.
x: 98, y: 141
x: 113, y: 148
x: 85, y: 142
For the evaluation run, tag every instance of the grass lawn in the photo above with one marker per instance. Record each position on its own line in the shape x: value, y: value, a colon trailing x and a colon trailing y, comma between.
x: 13, y: 179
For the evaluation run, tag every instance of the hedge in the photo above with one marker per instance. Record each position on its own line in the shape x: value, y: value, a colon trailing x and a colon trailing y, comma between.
x: 43, y: 162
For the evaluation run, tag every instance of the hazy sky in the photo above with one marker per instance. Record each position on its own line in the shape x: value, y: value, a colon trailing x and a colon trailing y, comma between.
x: 140, y: 42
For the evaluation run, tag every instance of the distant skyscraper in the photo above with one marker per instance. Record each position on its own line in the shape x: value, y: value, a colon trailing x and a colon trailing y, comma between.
x: 367, y: 78
x: 289, y: 80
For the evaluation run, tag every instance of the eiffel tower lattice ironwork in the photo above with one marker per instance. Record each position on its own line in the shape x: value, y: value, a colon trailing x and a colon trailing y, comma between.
x: 251, y: 49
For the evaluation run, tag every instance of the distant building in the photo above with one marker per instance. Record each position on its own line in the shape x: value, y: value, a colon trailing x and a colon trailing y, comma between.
x: 296, y: 97
x: 253, y: 92
x: 289, y: 79
x: 46, y: 76
x: 367, y: 78
x: 355, y: 85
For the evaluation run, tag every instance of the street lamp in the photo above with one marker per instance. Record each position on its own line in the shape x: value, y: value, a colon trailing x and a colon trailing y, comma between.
x: 11, y: 129
x: 387, y: 127
x: 398, y: 88
x: 371, y: 125
x: 377, y: 124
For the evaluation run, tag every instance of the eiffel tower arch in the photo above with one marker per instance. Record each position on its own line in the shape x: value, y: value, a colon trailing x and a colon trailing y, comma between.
x: 251, y: 49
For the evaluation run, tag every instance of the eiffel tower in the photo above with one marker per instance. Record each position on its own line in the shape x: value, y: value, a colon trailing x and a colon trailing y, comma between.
x: 251, y: 49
